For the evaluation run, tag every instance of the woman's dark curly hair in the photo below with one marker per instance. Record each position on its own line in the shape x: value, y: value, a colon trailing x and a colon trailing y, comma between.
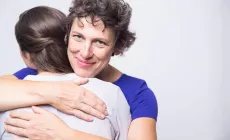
x: 115, y: 14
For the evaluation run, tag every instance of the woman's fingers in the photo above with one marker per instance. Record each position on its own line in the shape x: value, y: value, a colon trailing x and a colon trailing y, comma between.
x: 91, y: 111
x: 17, y: 123
x: 73, y: 97
x: 21, y: 115
x: 15, y: 130
x: 94, y: 101
x: 81, y: 115
x: 80, y: 81
x: 43, y: 125
x: 39, y: 110
x: 19, y: 138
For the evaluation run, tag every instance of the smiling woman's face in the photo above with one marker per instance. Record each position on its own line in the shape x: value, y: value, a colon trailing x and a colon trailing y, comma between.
x: 90, y: 47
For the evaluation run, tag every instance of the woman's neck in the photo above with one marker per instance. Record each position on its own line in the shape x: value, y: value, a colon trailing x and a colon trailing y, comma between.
x: 109, y: 74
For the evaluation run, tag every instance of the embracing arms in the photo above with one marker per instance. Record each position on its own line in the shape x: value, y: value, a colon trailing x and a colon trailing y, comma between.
x: 66, y: 96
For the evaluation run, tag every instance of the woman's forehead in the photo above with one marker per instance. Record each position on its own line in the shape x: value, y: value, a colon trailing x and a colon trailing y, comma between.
x: 86, y: 26
x: 89, y: 22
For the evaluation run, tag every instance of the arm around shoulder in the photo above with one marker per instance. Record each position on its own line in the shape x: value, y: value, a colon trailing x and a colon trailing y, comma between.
x: 19, y: 93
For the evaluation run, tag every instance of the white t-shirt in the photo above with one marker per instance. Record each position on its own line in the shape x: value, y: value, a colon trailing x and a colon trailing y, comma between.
x: 115, y: 126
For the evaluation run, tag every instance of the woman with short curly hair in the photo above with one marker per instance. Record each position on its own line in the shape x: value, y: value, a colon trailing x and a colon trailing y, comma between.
x: 96, y: 31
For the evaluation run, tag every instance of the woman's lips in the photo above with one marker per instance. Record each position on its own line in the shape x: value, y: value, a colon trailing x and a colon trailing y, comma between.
x: 83, y: 63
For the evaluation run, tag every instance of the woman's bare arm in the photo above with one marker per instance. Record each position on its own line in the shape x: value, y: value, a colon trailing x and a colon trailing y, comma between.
x: 142, y: 129
x: 83, y: 136
x: 19, y: 93
x: 67, y: 96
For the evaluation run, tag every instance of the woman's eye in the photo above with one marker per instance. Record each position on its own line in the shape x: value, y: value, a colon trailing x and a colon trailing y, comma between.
x: 78, y: 37
x: 100, y: 42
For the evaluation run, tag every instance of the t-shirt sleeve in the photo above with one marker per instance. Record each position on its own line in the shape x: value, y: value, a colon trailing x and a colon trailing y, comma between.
x: 21, y: 74
x: 144, y: 104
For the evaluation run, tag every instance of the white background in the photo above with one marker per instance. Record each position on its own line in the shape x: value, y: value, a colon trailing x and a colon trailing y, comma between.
x: 182, y: 51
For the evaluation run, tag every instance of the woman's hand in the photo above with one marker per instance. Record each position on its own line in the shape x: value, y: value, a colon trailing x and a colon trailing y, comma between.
x: 70, y: 98
x: 40, y: 125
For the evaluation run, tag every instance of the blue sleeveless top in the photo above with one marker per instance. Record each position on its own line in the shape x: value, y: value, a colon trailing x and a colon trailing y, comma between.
x: 141, y: 99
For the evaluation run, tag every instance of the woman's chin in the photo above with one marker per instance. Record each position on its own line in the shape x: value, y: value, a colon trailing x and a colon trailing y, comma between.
x: 84, y: 74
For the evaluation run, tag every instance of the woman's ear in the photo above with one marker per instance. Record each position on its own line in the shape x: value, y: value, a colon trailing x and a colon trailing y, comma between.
x: 25, y: 56
x: 27, y: 59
